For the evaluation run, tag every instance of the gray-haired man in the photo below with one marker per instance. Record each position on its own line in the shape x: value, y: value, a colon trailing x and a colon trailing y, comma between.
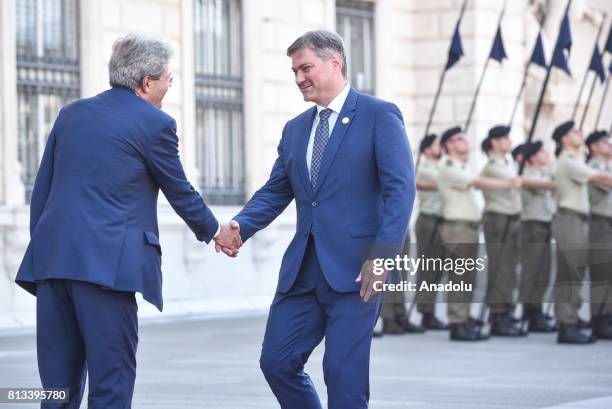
x: 93, y: 223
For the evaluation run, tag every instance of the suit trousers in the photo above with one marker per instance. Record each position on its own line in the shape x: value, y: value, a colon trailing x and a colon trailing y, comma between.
x: 83, y: 329
x: 460, y: 241
x: 502, y: 240
x: 571, y: 232
x: 600, y: 264
x: 298, y: 321
x: 535, y: 263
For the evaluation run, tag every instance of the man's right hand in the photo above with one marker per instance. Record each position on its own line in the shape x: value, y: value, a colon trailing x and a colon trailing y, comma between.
x: 228, y: 240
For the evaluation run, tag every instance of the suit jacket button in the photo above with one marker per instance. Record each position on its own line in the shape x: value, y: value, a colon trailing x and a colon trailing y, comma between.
x: 314, y: 204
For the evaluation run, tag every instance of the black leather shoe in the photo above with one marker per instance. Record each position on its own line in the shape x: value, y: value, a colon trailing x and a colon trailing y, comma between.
x: 392, y: 327
x: 570, y: 334
x: 503, y: 326
x: 602, y: 328
x: 430, y: 321
x: 466, y: 332
x: 539, y: 323
x: 584, y: 324
x: 409, y: 327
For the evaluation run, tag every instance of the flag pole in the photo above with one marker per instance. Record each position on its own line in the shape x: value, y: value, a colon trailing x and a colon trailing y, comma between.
x: 607, y: 86
x: 482, y: 75
x: 439, y: 91
x: 536, y: 114
x: 603, y: 98
x: 595, y: 77
x: 586, y: 107
x: 582, y: 85
x: 525, y: 75
x: 442, y: 76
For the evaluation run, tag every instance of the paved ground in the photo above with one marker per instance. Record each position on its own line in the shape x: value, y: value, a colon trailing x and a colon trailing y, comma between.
x: 214, y: 364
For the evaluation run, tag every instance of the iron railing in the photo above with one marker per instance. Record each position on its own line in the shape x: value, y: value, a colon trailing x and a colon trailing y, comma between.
x: 219, y: 100
x: 48, y: 74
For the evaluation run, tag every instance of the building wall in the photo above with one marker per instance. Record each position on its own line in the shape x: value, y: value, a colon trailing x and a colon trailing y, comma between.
x: 412, y: 38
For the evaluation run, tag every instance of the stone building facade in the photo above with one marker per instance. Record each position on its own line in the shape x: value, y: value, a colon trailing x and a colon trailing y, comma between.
x: 233, y: 92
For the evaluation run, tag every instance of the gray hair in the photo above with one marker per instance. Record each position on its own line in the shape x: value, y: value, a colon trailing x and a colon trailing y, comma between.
x: 323, y: 43
x: 135, y: 57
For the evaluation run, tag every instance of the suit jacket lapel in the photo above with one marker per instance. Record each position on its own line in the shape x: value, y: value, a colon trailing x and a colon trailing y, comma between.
x: 302, y: 146
x: 337, y: 135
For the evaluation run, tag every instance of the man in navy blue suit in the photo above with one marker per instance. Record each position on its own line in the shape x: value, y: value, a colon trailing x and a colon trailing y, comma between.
x: 93, y: 226
x: 347, y: 163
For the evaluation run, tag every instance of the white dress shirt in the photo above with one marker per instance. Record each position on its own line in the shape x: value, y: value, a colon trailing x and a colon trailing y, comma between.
x: 336, y: 106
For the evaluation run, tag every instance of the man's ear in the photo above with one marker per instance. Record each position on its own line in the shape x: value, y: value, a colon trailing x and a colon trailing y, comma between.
x: 145, y: 85
x: 336, y: 62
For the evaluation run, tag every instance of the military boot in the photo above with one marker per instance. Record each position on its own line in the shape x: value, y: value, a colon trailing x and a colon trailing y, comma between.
x: 503, y: 326
x: 571, y: 334
x: 602, y: 328
x: 430, y: 321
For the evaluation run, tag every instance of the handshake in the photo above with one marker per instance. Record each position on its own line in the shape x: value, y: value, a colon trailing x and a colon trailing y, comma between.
x: 228, y: 239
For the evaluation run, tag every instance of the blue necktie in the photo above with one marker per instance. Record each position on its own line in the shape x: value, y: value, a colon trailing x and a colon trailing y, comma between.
x: 320, y: 142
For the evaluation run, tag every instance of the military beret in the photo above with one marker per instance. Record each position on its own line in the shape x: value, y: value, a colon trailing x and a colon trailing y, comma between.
x: 531, y: 149
x: 519, y: 149
x: 563, y: 129
x: 485, y: 145
x: 449, y: 133
x: 499, y: 131
x: 595, y: 136
x: 427, y: 142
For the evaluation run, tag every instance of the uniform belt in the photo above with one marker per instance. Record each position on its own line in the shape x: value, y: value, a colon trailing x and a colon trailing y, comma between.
x: 570, y: 212
x: 540, y: 222
x: 601, y: 218
x: 510, y: 217
x: 431, y: 216
x: 465, y: 223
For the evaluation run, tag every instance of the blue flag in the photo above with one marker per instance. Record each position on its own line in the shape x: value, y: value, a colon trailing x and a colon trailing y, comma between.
x: 564, y: 43
x: 455, y: 51
x: 498, y: 51
x: 610, y: 68
x: 596, y: 64
x: 538, y: 57
x: 609, y: 42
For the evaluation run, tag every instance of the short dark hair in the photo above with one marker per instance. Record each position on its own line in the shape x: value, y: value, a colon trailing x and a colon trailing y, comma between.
x: 323, y: 43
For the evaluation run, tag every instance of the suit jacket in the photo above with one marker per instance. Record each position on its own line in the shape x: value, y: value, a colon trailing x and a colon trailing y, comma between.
x: 364, y: 193
x: 93, y: 214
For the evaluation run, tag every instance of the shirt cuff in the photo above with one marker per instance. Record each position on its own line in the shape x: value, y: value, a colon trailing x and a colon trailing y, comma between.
x: 218, y: 231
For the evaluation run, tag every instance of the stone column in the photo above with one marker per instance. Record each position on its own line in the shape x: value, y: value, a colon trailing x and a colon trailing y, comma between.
x: 11, y: 186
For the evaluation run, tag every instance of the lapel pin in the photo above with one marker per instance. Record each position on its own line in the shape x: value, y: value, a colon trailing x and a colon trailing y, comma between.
x: 345, y: 120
